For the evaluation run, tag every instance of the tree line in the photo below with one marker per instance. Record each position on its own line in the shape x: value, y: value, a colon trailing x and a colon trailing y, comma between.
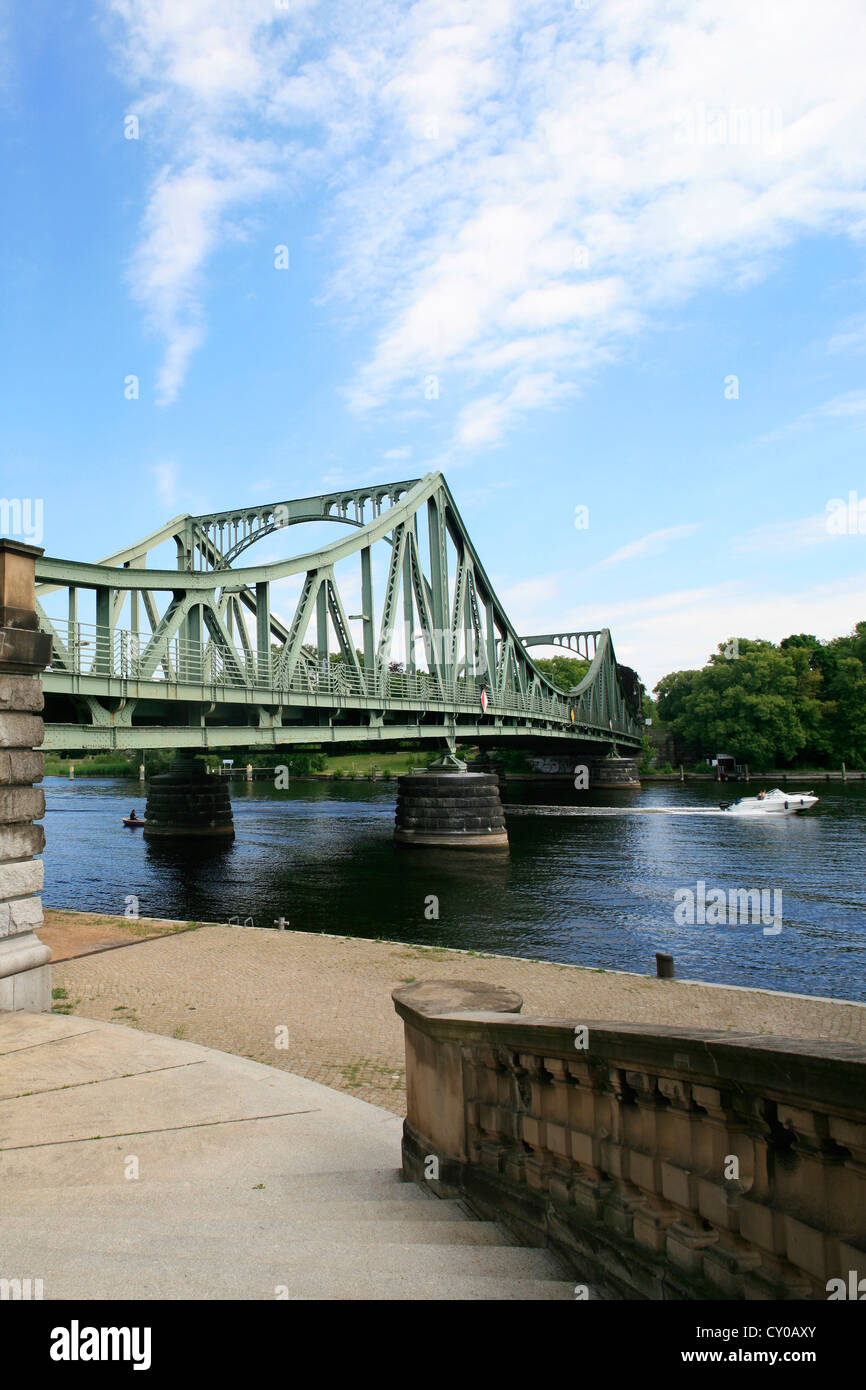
x: 800, y: 701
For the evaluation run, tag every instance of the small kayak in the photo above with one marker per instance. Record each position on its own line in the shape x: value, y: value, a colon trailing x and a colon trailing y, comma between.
x: 137, y: 821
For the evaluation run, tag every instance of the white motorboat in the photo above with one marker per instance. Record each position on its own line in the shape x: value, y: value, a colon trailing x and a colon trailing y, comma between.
x: 774, y: 803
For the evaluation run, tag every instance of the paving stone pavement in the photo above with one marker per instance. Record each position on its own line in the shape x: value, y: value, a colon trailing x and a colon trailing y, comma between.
x: 249, y: 991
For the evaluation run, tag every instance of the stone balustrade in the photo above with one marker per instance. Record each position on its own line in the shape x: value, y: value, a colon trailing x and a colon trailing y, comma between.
x: 657, y: 1162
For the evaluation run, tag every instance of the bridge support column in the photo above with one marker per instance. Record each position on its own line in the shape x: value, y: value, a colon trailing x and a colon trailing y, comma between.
x: 495, y: 766
x: 611, y: 773
x: 186, y: 803
x: 25, y: 975
x: 447, y: 807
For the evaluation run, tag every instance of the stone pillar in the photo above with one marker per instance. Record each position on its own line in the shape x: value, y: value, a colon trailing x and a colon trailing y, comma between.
x: 613, y: 773
x: 449, y: 808
x: 25, y: 975
x: 606, y: 773
x: 186, y: 802
x: 436, y: 1073
x: 485, y: 762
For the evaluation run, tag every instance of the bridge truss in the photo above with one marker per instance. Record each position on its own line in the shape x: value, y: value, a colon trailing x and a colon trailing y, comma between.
x: 195, y: 656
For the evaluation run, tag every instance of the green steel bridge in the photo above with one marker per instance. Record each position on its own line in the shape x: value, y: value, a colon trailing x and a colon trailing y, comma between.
x: 194, y: 656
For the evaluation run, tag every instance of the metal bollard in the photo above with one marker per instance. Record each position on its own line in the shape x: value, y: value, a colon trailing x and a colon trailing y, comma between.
x: 664, y: 965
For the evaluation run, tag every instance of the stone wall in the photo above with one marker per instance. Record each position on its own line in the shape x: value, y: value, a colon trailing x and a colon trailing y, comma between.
x: 21, y: 803
x: 658, y: 1162
x: 25, y: 977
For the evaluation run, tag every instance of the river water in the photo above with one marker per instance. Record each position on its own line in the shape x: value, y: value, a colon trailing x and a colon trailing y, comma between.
x: 589, y: 879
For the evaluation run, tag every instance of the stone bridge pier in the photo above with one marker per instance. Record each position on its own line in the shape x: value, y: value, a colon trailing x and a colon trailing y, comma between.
x: 448, y: 807
x: 186, y: 802
x: 603, y: 773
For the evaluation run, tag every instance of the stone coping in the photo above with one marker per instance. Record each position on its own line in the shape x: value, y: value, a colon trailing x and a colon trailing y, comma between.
x: 827, y: 1075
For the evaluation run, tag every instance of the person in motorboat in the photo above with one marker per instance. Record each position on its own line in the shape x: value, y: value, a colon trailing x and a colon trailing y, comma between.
x: 132, y: 815
x: 773, y: 802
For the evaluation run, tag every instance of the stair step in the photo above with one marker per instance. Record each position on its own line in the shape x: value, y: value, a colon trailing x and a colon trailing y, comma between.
x: 244, y: 1204
x: 344, y: 1285
x: 116, y: 1277
x: 179, y: 1176
x: 277, y: 1234
x: 254, y: 1259
x: 371, y: 1185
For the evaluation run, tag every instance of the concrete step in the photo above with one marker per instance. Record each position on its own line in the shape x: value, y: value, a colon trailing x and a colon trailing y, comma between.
x: 273, y: 1232
x: 194, y: 1247
x: 368, y: 1188
x: 133, y: 1201
x: 346, y: 1285
x: 331, y: 1140
x: 209, y: 1271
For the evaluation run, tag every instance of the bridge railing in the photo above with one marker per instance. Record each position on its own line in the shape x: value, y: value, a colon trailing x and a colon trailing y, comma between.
x: 90, y: 651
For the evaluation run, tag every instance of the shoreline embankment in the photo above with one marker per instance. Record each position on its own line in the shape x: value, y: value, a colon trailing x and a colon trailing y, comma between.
x: 320, y: 1005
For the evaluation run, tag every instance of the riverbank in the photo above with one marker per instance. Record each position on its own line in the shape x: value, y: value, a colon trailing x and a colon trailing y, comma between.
x: 347, y: 773
x: 328, y: 998
x: 71, y: 934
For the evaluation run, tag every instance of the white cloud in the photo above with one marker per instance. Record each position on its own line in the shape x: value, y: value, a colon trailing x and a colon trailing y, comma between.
x: 851, y: 405
x: 565, y: 303
x: 521, y: 600
x: 850, y: 338
x: 784, y: 537
x: 574, y: 202
x: 201, y: 74
x: 679, y: 630
x: 165, y: 478
x: 656, y: 543
x: 512, y: 190
x: 485, y: 419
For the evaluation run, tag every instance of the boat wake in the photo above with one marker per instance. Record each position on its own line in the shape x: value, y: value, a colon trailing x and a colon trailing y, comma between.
x: 614, y: 811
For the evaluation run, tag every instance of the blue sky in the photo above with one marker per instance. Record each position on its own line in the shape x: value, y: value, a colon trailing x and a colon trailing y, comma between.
x: 583, y: 219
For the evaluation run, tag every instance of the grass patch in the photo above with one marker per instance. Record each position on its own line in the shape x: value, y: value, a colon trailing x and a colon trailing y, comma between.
x: 365, y: 1072
x: 425, y: 952
x: 65, y: 1005
x: 138, y: 927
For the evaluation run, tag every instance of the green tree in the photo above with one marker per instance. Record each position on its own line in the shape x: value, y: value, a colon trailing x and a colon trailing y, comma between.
x: 745, y: 705
x: 842, y: 663
x: 768, y: 705
x: 563, y: 671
